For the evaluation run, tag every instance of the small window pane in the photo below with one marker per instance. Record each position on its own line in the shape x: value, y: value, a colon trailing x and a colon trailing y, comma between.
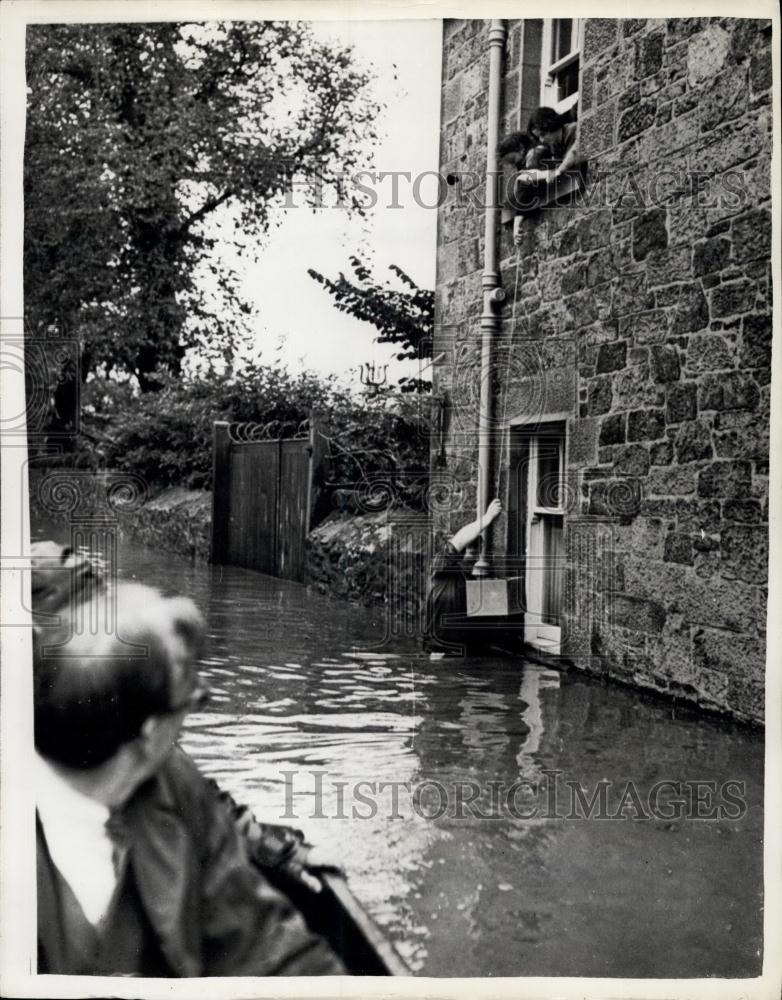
x: 567, y: 81
x: 553, y: 555
x: 563, y: 38
x: 549, y: 486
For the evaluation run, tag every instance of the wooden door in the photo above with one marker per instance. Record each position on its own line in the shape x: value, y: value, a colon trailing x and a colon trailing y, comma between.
x: 261, y: 502
x: 252, y: 518
x: 292, y: 508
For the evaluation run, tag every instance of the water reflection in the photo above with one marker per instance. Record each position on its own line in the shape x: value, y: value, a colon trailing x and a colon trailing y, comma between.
x: 534, y: 680
x: 301, y: 690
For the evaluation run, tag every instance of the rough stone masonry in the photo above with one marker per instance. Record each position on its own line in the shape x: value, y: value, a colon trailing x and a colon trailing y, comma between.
x: 642, y: 312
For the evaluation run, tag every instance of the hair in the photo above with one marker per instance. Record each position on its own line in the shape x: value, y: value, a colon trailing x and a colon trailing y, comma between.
x: 100, y: 674
x: 515, y: 142
x: 545, y: 120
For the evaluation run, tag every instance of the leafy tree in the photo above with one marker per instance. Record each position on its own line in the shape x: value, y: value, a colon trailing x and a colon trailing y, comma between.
x: 136, y: 135
x: 403, y: 316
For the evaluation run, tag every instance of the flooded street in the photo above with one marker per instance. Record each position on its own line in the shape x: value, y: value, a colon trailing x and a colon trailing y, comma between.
x: 309, y: 701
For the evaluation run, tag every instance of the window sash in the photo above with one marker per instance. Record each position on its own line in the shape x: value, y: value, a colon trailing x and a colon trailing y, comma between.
x: 563, y: 63
x: 550, y: 70
x: 550, y: 442
x: 545, y: 556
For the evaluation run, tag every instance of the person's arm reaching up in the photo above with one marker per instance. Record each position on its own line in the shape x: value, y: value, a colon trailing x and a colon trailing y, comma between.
x: 466, y: 536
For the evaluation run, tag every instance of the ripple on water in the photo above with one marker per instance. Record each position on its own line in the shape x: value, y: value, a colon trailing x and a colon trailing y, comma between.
x: 301, y: 684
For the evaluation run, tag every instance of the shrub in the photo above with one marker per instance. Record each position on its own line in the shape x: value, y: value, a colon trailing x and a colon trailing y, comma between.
x: 166, y: 436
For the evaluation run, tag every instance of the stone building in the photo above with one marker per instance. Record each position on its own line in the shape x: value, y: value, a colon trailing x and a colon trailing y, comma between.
x: 627, y: 371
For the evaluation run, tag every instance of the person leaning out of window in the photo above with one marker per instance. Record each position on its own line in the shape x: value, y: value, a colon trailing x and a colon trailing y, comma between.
x: 555, y: 150
x: 540, y: 156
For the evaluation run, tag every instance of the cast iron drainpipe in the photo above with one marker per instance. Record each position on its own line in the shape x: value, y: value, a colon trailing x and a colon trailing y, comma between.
x: 493, y: 293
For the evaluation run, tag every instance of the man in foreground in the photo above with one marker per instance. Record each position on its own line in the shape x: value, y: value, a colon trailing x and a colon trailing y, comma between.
x: 140, y: 867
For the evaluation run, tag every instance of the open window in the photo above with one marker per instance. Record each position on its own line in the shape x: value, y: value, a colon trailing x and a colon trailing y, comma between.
x: 560, y: 61
x: 549, y: 77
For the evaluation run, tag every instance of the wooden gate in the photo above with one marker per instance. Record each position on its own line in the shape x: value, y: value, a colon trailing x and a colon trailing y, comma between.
x: 263, y: 496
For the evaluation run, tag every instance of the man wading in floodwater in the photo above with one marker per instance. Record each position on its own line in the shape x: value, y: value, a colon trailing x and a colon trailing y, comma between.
x: 446, y: 633
x: 140, y: 868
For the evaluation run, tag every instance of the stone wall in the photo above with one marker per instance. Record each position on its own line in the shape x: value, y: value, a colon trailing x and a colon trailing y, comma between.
x: 379, y: 558
x: 643, y: 313
x: 458, y: 301
x: 171, y: 520
x: 175, y: 520
x: 373, y: 559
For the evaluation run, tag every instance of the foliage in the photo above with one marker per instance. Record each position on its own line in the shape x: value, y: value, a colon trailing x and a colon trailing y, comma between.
x: 403, y: 316
x: 136, y: 135
x: 166, y: 436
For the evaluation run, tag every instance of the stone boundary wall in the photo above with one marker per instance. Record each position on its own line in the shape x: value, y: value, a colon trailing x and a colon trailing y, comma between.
x: 644, y: 314
x: 172, y: 519
x: 364, y: 558
x: 373, y: 559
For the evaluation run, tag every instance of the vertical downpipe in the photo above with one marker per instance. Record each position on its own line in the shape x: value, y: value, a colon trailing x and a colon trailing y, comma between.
x: 493, y: 294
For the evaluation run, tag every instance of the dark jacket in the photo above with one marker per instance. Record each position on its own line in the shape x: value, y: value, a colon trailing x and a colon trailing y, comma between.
x: 446, y: 601
x: 212, y: 912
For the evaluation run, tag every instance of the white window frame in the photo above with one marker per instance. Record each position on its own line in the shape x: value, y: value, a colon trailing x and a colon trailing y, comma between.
x: 538, y: 633
x: 549, y: 71
x: 535, y: 509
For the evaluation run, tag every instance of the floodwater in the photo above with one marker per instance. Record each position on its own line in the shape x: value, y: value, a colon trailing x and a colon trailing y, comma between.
x: 311, y: 699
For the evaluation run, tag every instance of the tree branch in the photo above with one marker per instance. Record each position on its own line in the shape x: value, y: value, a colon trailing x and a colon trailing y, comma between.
x: 209, y: 206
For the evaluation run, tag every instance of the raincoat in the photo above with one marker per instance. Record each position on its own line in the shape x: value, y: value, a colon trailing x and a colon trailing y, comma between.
x: 206, y: 907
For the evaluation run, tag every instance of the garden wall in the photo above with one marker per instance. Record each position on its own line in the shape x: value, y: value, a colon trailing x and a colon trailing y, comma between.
x: 172, y: 520
x: 373, y: 558
x: 365, y: 558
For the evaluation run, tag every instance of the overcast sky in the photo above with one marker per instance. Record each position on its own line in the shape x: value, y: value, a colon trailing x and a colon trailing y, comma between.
x: 406, y: 58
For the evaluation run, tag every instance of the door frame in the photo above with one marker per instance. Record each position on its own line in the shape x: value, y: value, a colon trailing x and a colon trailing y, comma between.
x: 526, y: 519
